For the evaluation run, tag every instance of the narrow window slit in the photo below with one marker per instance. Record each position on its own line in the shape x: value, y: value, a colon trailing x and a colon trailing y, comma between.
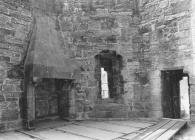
x: 104, y: 84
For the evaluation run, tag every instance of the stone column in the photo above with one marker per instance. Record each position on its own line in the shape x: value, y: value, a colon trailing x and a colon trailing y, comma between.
x: 156, y: 94
x: 30, y: 105
x: 29, y: 97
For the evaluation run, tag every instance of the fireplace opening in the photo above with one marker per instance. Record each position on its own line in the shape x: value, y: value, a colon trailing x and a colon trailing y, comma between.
x: 108, y: 73
x: 175, y: 94
x: 46, y: 64
x: 52, y: 98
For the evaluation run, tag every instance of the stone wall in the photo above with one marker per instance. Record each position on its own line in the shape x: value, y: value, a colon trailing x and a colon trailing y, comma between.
x: 192, y: 79
x: 150, y: 36
x: 89, y: 27
x: 166, y: 43
x: 85, y: 29
x: 15, y: 24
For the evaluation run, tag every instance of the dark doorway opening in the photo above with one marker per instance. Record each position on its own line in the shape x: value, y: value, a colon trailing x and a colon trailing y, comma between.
x: 174, y: 84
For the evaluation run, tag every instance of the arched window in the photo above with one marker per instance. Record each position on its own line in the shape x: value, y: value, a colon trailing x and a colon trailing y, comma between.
x: 108, y: 73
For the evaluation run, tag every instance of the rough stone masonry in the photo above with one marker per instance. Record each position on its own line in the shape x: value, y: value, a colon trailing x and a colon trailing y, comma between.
x: 149, y: 35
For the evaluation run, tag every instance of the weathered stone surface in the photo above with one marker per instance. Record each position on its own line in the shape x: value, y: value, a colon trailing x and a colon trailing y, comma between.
x: 90, y: 27
x: 2, y: 98
x: 10, y: 115
x: 15, y: 22
x: 164, y: 31
x: 2, y: 127
x: 157, y: 37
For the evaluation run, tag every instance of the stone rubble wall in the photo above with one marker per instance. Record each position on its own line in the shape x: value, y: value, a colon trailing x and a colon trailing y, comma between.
x: 166, y: 43
x: 87, y: 28
x: 151, y: 36
x: 15, y: 26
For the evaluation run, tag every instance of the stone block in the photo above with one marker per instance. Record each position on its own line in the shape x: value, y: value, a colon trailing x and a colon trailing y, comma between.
x: 156, y: 114
x: 137, y: 114
x: 4, y: 46
x: 79, y: 116
x: 13, y: 104
x: 9, y: 88
x: 12, y: 94
x: 103, y: 114
x: 156, y: 103
x: 4, y: 105
x: 192, y: 89
x: 18, y: 87
x: 3, y: 9
x: 180, y: 6
x: 2, y: 127
x: 120, y: 114
x: 13, y: 81
x: 192, y: 81
x: 2, y: 98
x: 13, y: 125
x: 80, y: 105
x: 15, y: 72
x: 138, y: 106
x: 11, y: 99
x: 4, y: 58
x: 192, y: 98
x: 92, y: 83
x: 10, y: 115
x: 192, y: 108
x: 192, y: 117
x: 90, y: 93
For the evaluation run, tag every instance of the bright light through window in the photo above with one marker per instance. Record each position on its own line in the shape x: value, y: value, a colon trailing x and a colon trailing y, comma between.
x: 104, y: 84
x: 185, y: 103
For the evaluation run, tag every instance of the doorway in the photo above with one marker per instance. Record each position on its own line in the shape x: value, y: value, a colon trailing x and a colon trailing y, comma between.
x: 175, y: 94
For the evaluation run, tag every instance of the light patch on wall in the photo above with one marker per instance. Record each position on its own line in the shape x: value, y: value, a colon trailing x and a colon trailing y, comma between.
x: 184, y: 98
x: 104, y: 84
x: 66, y: 5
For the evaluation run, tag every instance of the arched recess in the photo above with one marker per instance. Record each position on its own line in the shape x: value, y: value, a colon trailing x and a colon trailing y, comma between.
x: 111, y: 63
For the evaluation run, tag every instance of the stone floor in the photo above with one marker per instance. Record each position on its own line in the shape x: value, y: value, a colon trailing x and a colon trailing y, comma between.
x: 82, y: 130
x: 187, y: 133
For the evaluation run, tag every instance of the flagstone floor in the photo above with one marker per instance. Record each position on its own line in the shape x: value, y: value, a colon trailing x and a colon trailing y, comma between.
x: 187, y: 133
x: 82, y: 130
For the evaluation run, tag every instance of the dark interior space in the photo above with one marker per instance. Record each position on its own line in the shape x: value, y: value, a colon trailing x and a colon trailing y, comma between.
x: 171, y: 94
x: 52, y: 98
x: 112, y: 64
